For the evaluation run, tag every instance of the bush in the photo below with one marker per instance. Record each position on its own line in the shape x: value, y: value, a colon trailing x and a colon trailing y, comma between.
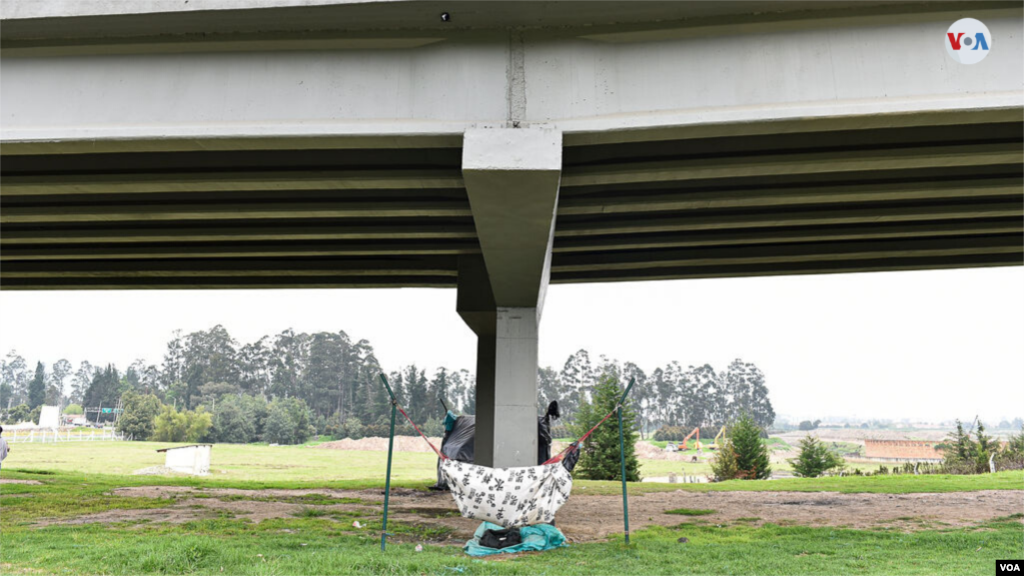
x: 187, y: 426
x: 815, y: 458
x: 73, y: 409
x: 233, y: 422
x: 288, y: 422
x: 334, y: 427
x: 433, y: 427
x: 18, y: 414
x: 138, y: 415
x: 353, y: 429
x: 961, y: 455
x: 724, y: 464
x: 280, y: 428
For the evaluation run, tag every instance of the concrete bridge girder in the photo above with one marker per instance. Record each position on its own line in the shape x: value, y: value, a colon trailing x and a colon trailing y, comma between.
x: 656, y: 81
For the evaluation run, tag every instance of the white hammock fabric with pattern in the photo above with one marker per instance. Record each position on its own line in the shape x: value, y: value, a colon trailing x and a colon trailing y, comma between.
x: 509, y: 497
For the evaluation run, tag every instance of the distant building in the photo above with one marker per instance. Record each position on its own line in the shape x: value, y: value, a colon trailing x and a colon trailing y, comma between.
x: 902, y: 450
x: 192, y: 459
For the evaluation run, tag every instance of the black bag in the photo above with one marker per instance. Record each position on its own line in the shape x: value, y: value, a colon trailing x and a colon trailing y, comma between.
x: 499, y: 539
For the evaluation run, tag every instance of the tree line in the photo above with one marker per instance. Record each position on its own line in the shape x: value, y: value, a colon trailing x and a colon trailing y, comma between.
x: 332, y: 379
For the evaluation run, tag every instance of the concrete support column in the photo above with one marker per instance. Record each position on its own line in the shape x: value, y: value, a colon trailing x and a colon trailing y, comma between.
x: 512, y: 178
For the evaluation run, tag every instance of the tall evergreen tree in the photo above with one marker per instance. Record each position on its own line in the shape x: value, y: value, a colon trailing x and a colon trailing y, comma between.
x: 15, y: 375
x: 439, y: 389
x: 548, y: 385
x: 80, y: 382
x: 416, y: 388
x: 752, y: 459
x: 37, y: 387
x: 747, y: 393
x: 59, y: 373
x: 576, y: 378
x: 601, y: 452
x: 104, y: 390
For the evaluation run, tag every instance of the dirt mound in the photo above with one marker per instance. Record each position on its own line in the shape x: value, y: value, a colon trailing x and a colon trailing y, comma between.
x: 402, y: 444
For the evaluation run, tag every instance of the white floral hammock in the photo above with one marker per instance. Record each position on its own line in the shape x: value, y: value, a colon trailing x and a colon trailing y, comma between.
x: 508, y: 497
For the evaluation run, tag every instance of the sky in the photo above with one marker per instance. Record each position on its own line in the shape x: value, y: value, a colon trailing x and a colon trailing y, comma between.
x: 929, y: 346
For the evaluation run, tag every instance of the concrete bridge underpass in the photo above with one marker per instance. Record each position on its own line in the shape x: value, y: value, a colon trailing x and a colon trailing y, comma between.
x: 286, y: 143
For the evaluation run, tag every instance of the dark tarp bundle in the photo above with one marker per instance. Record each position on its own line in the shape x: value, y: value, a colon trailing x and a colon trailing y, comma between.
x: 460, y: 432
x: 499, y: 539
x: 533, y: 539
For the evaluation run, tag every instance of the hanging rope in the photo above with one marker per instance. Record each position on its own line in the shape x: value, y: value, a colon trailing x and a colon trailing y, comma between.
x: 417, y: 428
x: 575, y: 445
x: 394, y: 402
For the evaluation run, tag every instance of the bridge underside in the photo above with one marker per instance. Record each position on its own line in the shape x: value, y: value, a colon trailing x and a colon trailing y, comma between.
x: 794, y: 203
x: 341, y: 144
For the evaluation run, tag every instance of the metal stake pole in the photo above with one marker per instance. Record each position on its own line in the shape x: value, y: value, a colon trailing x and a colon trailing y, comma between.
x: 622, y: 458
x: 391, y: 447
x: 387, y: 481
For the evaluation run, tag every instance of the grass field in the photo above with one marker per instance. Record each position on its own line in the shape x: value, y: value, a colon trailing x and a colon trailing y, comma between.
x: 77, y: 479
x: 297, y: 466
x: 316, y: 546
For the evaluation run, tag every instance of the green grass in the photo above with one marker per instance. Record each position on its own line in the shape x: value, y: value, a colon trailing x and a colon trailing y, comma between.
x: 690, y: 511
x: 229, y: 461
x: 319, y: 546
x: 255, y: 467
x: 318, y: 541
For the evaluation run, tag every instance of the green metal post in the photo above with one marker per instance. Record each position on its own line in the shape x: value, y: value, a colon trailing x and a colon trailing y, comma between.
x: 387, y: 479
x: 622, y: 457
x: 622, y: 460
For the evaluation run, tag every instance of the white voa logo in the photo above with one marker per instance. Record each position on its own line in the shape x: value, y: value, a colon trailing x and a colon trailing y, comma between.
x: 968, y: 41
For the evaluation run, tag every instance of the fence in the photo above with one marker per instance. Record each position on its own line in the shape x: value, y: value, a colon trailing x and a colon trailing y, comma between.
x: 54, y: 436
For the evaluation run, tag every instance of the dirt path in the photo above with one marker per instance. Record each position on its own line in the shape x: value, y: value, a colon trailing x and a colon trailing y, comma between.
x: 588, y: 518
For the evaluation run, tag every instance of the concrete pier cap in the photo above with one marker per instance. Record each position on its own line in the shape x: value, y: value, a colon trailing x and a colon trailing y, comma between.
x: 512, y: 177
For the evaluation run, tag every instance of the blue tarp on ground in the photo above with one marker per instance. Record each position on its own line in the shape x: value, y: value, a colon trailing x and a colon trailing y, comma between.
x: 535, y: 538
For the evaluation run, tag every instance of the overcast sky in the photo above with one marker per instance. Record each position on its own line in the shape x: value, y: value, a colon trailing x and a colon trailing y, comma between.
x: 931, y: 345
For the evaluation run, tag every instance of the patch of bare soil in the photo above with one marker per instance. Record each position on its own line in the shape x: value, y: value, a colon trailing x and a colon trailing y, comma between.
x: 402, y: 444
x: 594, y: 517
x: 588, y: 518
x: 13, y: 481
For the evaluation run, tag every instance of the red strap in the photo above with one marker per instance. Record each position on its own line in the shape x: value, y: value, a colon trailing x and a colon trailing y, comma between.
x: 575, y: 445
x: 436, y: 451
